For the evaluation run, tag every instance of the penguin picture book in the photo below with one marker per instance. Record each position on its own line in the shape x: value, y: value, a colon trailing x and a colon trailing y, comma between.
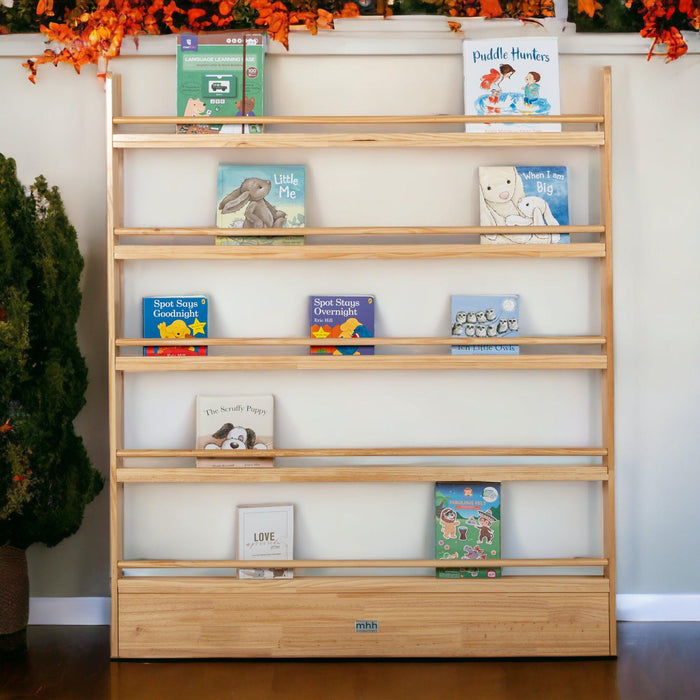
x: 468, y: 526
x: 341, y: 317
x: 175, y: 318
x: 523, y: 196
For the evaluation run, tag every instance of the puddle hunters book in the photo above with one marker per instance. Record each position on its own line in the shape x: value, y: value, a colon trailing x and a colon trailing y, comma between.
x: 512, y: 76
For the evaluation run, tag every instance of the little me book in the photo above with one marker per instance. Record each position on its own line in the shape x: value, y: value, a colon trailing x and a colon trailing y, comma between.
x: 220, y: 75
x: 342, y: 317
x: 175, y: 318
x: 260, y: 196
x: 517, y: 76
x: 468, y: 526
x: 485, y: 316
x: 229, y: 423
x: 516, y: 195
x: 266, y: 532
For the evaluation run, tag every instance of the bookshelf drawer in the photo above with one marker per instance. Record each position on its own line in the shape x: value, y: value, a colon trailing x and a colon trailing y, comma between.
x: 322, y: 624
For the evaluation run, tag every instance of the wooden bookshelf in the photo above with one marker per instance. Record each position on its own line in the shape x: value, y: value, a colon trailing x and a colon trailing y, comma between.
x: 559, y: 609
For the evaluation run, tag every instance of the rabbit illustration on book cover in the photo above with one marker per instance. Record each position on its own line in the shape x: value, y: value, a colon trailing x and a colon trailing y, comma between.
x: 259, y: 212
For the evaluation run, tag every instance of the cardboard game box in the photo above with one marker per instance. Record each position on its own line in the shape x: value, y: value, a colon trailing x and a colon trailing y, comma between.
x: 468, y: 526
x: 220, y: 75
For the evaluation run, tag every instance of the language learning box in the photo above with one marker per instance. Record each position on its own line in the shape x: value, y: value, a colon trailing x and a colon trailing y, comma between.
x: 175, y: 318
x: 468, y: 526
x: 220, y: 75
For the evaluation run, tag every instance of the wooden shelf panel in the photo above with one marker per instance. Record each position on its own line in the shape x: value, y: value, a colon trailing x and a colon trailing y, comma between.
x: 369, y: 119
x: 357, y: 251
x: 211, y: 585
x: 354, y: 474
x: 357, y: 231
x: 359, y: 362
x: 305, y: 342
x: 381, y: 452
x: 362, y: 140
x: 440, y: 623
x: 356, y: 563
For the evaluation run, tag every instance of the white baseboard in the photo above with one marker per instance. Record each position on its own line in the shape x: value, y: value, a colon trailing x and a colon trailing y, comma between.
x: 69, y: 611
x: 658, y: 608
x: 630, y: 608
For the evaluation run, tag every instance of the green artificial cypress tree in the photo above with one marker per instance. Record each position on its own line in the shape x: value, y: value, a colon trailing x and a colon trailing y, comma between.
x: 46, y: 478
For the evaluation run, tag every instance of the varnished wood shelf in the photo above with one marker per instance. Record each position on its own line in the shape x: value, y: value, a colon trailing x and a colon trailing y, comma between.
x: 361, y: 140
x: 357, y: 251
x: 356, y: 563
x: 323, y: 452
x: 386, y: 119
x: 305, y: 342
x: 210, y: 585
x: 364, y: 473
x: 358, y: 362
x: 364, y: 231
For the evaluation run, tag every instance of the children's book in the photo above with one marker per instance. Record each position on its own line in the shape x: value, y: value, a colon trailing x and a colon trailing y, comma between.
x: 229, y: 423
x: 517, y: 76
x: 342, y: 317
x: 260, y: 197
x: 175, y: 318
x: 266, y: 532
x: 220, y: 75
x: 468, y: 526
x: 485, y: 316
x: 517, y: 195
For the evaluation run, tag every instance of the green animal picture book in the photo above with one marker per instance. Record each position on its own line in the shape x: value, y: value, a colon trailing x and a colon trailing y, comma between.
x: 468, y: 526
x: 220, y: 75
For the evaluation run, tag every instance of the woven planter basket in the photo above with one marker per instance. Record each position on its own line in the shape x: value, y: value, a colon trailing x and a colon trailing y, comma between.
x: 14, y: 590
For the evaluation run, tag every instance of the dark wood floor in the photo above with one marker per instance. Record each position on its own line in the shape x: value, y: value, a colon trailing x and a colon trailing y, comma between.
x: 656, y: 660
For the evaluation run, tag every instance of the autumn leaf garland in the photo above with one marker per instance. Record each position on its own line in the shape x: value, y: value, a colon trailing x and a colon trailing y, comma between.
x: 93, y: 34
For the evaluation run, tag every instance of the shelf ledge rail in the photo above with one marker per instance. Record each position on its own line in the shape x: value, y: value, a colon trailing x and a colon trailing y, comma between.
x: 355, y: 563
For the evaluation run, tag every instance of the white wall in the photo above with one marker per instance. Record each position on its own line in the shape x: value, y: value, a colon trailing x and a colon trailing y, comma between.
x: 57, y: 128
